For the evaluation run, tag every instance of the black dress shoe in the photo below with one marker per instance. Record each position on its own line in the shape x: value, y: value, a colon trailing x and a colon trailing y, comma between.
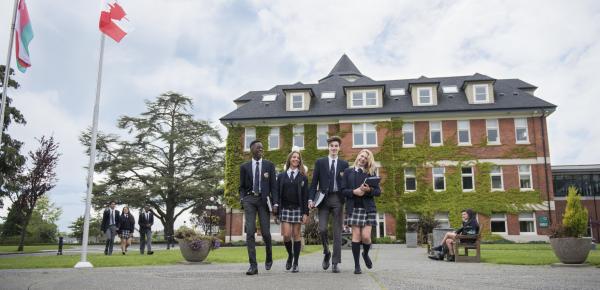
x: 288, y: 264
x: 368, y: 261
x: 451, y: 258
x: 326, y: 260
x: 357, y: 270
x: 335, y: 268
x: 150, y: 252
x: 252, y: 271
x: 268, y: 265
x: 295, y: 269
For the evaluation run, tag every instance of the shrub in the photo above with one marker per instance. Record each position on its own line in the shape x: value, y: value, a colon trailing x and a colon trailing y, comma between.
x: 193, y: 238
x: 489, y: 238
x: 384, y: 240
x: 575, y: 220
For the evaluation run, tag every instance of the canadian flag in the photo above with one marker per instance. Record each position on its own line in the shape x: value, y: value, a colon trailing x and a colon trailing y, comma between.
x: 113, y: 21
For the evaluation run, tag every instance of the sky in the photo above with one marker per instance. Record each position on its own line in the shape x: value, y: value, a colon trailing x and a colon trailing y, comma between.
x: 215, y: 51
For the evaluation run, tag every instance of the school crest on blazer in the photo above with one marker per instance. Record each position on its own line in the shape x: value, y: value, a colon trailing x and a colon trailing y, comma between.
x: 266, y: 175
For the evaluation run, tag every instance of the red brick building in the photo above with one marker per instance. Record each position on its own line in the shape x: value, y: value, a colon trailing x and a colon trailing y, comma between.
x: 493, y: 121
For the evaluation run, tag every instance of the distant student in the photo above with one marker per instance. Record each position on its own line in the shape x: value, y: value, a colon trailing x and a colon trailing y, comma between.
x: 327, y: 178
x: 109, y: 226
x: 293, y: 203
x: 470, y: 226
x: 126, y: 228
x: 145, y: 221
x: 360, y: 205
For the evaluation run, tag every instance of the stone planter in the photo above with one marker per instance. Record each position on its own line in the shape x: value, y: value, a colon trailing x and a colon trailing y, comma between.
x: 192, y: 255
x: 411, y: 239
x: 571, y: 250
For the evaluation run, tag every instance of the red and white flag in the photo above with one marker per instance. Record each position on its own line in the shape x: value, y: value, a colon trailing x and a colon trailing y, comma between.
x: 113, y: 22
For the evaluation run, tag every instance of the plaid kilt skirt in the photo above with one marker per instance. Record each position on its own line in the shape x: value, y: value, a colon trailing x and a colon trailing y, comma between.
x: 360, y: 217
x: 290, y: 215
x: 125, y: 234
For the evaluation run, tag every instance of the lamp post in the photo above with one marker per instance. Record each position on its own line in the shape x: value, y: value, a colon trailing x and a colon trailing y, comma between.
x: 210, y: 223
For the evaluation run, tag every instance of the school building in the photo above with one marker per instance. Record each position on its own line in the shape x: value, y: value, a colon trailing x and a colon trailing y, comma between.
x: 493, y: 125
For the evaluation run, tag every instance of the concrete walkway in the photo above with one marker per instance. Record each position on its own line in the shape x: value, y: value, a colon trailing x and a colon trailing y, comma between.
x: 395, y: 267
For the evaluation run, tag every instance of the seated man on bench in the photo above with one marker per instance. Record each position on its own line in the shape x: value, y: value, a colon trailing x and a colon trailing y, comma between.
x: 469, y: 227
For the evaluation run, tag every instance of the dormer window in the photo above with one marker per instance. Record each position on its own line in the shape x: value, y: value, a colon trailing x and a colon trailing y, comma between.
x: 364, y: 99
x: 450, y: 89
x: 397, y: 92
x: 481, y: 94
x: 328, y: 95
x: 269, y: 97
x: 425, y: 96
x: 297, y: 101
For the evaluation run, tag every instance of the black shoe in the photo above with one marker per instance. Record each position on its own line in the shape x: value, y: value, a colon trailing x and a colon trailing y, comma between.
x: 106, y: 253
x: 123, y: 253
x: 335, y: 268
x: 252, y: 271
x: 368, y: 261
x: 326, y: 260
x: 295, y: 269
x: 288, y: 264
x: 268, y: 265
x: 357, y: 270
x: 451, y: 258
x: 150, y: 252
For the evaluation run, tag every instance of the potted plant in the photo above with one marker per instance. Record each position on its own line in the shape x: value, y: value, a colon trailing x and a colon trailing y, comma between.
x: 194, y: 246
x: 567, y: 240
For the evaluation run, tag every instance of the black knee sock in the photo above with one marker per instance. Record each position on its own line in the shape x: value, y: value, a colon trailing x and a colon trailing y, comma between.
x: 356, y: 253
x: 288, y: 247
x: 297, y: 246
x: 366, y: 248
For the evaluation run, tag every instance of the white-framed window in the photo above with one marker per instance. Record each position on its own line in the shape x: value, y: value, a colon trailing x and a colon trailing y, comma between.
x: 442, y: 219
x: 498, y: 223
x: 525, y: 182
x: 439, y: 178
x: 464, y: 132
x: 425, y: 96
x: 274, y: 138
x: 397, y: 92
x: 328, y: 95
x: 249, y: 136
x: 322, y: 136
x: 298, y: 139
x: 449, y: 89
x: 269, y: 97
x: 297, y: 101
x: 435, y: 133
x: 497, y: 182
x: 527, y: 223
x: 521, y: 131
x: 364, y: 99
x: 410, y: 179
x: 493, y: 131
x: 481, y: 94
x: 408, y: 134
x: 364, y: 135
x: 468, y: 181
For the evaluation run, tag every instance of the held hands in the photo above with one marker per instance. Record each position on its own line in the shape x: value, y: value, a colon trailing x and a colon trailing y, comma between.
x: 275, y: 210
x: 311, y: 204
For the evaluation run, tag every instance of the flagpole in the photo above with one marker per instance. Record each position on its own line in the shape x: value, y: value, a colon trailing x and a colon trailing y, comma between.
x: 83, y: 263
x: 7, y: 69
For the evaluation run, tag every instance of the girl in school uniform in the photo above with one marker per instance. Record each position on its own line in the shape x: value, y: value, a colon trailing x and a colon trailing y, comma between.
x: 361, y: 213
x: 126, y: 227
x: 293, y: 204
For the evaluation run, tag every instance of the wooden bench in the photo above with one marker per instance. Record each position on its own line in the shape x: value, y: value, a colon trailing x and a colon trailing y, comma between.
x: 467, y: 242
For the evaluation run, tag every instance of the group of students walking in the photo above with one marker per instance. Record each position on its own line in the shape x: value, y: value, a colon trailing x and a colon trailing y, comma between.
x: 289, y: 196
x: 123, y: 224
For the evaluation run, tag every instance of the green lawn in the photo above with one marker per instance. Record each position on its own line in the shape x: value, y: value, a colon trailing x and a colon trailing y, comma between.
x: 526, y: 254
x: 31, y: 249
x: 133, y: 258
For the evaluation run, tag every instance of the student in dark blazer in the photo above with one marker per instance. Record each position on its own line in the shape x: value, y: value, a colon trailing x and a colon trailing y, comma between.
x: 293, y: 203
x: 126, y: 228
x: 109, y: 226
x: 327, y: 178
x: 257, y: 184
x: 145, y: 221
x: 361, y: 213
x: 470, y: 226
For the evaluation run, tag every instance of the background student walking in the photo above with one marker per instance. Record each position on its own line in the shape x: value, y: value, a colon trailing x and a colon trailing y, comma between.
x: 109, y: 226
x: 126, y: 228
x: 145, y: 222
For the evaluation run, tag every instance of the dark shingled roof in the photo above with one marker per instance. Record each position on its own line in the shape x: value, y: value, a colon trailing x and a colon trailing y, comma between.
x: 509, y: 94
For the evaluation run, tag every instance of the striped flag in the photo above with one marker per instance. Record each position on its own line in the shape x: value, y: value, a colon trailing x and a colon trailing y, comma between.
x: 24, y: 35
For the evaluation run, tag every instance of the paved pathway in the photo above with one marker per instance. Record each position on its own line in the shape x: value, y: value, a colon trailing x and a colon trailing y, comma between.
x: 396, y: 267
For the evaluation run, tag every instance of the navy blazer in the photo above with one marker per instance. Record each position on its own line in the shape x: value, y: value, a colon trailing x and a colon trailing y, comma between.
x: 127, y: 224
x: 353, y: 180
x: 302, y: 189
x: 106, y: 219
x: 143, y: 223
x: 470, y: 227
x: 268, y: 182
x: 320, y: 178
